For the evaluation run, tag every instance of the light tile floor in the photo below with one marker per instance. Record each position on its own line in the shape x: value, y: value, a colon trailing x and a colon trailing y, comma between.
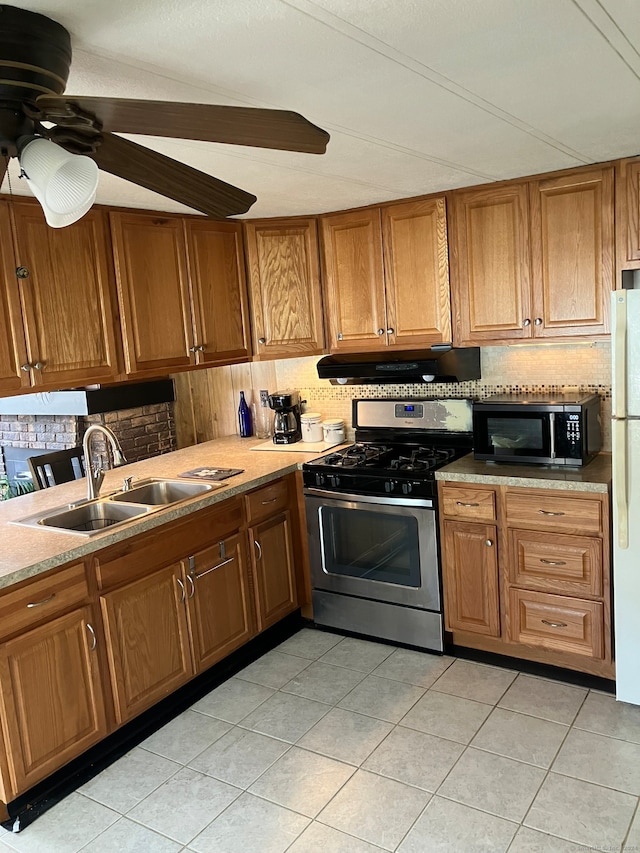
x: 336, y: 745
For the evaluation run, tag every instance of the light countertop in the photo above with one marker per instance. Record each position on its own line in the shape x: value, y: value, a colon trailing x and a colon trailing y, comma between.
x: 594, y: 477
x: 26, y: 551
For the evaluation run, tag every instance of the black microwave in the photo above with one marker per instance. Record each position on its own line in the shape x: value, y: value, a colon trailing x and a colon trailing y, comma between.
x: 559, y: 430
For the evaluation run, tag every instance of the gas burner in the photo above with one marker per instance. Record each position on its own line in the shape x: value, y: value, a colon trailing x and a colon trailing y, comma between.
x: 422, y: 459
x: 357, y: 456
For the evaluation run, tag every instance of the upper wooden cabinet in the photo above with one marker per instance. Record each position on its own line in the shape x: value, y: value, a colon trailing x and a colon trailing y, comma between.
x: 284, y: 285
x: 65, y: 288
x: 387, y: 276
x: 533, y: 260
x: 491, y: 266
x: 182, y: 291
x: 13, y: 350
x: 628, y: 213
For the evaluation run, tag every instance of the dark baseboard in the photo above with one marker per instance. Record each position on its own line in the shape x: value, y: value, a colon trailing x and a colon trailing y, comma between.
x: 27, y: 807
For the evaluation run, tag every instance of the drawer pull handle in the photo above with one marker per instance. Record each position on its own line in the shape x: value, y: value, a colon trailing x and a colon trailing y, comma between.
x: 270, y: 501
x: 193, y: 586
x: 459, y: 503
x: 182, y: 595
x: 553, y: 562
x: 547, y: 512
x: 94, y: 642
x: 554, y: 624
x: 259, y: 550
x: 213, y: 568
x: 44, y: 601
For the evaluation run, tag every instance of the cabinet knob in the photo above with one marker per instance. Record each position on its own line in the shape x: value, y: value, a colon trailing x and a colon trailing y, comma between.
x: 262, y: 340
x: 538, y: 321
x: 380, y: 332
x: 38, y: 365
x: 22, y: 272
x: 526, y: 322
x: 200, y: 348
x: 488, y: 542
x: 389, y: 331
x: 193, y: 349
x: 26, y: 367
x: 339, y: 336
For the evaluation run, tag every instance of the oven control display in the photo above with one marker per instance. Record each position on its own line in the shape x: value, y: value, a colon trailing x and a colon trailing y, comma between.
x: 409, y: 410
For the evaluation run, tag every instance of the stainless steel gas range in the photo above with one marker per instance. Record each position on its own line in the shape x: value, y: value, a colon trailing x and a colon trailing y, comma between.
x: 372, y: 520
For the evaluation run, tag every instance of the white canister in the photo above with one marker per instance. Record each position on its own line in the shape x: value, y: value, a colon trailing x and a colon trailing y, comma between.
x: 333, y: 431
x: 311, y: 426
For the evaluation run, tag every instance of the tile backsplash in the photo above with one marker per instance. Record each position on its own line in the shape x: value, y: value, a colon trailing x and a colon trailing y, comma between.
x: 534, y: 368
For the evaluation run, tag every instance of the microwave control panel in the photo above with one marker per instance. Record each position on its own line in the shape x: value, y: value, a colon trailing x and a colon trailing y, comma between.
x: 569, y: 433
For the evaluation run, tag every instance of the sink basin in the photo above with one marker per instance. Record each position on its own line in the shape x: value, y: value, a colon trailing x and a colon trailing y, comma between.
x: 91, y: 517
x: 159, y: 492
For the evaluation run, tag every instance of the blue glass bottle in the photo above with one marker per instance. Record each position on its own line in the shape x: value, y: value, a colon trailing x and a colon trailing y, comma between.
x: 244, y: 418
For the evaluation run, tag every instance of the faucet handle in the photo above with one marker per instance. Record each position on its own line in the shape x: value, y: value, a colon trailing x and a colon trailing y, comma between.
x: 126, y: 484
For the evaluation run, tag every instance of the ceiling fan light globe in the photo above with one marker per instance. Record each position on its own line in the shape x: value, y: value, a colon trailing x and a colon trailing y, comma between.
x: 60, y: 220
x: 65, y: 182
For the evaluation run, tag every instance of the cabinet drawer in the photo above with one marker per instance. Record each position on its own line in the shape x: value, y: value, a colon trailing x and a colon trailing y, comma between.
x: 557, y: 622
x: 469, y: 503
x: 42, y: 598
x: 555, y: 562
x: 267, y: 501
x: 551, y: 512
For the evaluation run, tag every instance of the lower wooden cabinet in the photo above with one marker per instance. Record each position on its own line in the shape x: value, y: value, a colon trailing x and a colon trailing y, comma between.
x: 145, y: 624
x: 533, y: 584
x: 219, y: 598
x: 273, y: 568
x: 470, y: 571
x: 51, y: 698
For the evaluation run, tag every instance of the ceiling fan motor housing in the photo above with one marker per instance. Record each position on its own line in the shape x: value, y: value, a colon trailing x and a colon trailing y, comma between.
x: 35, y: 57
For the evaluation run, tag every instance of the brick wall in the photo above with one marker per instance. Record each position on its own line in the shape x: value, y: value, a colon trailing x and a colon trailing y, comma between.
x: 143, y: 432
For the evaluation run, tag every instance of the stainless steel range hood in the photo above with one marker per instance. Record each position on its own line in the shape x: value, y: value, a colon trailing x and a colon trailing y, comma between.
x: 438, y: 364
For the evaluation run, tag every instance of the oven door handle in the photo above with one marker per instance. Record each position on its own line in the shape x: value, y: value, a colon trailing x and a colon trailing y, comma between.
x: 340, y: 497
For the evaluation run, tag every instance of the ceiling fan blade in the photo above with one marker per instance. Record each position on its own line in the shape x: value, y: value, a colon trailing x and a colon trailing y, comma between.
x: 170, y: 178
x: 281, y: 129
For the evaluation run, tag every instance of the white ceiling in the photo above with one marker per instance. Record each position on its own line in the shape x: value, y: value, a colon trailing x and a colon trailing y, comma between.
x: 418, y: 95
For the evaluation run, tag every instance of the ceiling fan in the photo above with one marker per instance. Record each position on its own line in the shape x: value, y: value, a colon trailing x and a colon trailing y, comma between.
x: 35, y: 55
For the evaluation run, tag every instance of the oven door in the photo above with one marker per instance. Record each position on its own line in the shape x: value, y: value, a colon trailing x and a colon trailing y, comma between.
x: 383, y: 549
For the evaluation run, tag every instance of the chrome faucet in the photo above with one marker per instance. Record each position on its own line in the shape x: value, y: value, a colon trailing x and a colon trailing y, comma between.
x: 95, y: 474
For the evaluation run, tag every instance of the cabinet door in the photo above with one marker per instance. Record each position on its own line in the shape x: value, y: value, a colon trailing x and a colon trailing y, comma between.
x: 51, y: 697
x: 220, y: 603
x: 13, y: 352
x: 273, y: 569
x: 284, y: 281
x: 216, y: 267
x: 572, y: 253
x: 352, y: 248
x: 490, y: 272
x: 416, y: 262
x: 66, y: 299
x: 147, y: 640
x: 470, y: 578
x: 151, y: 273
x: 628, y: 213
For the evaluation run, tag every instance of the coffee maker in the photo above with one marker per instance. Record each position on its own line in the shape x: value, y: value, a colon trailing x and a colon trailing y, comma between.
x: 286, y: 422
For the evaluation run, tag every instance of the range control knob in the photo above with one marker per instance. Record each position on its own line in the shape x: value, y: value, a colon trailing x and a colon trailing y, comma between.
x: 320, y: 479
x: 407, y: 488
x: 334, y: 481
x: 389, y: 485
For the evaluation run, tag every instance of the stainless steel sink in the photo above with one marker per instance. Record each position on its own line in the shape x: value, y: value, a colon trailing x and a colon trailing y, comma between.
x: 158, y: 492
x: 91, y: 517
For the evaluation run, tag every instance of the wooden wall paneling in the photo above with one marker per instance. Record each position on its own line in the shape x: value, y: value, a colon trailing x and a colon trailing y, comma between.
x: 225, y: 406
x: 183, y: 411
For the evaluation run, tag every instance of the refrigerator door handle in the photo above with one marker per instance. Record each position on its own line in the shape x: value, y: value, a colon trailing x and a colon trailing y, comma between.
x: 620, y: 474
x: 619, y: 402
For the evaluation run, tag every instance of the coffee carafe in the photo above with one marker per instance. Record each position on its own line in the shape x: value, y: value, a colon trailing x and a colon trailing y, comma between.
x: 286, y: 421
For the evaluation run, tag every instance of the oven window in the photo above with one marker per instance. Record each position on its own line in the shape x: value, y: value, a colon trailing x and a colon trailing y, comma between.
x: 511, y: 435
x: 371, y: 545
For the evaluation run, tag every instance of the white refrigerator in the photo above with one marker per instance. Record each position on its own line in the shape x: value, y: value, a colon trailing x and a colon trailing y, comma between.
x: 625, y: 431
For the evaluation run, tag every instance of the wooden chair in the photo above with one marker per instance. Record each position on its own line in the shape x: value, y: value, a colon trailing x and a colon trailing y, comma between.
x: 60, y: 466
